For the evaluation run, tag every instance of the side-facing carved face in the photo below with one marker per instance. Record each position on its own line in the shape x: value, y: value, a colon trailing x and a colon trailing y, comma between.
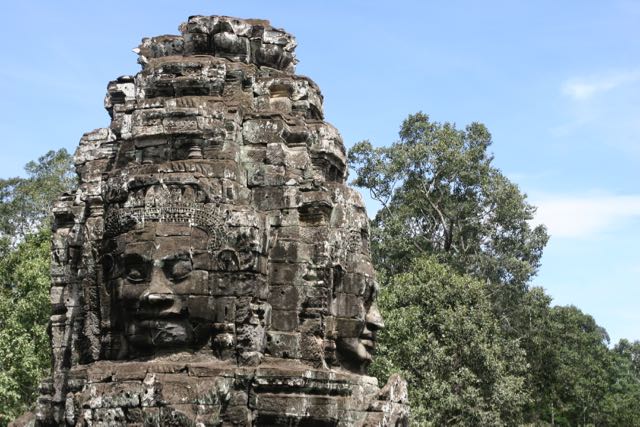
x: 158, y: 275
x: 357, y: 322
x: 362, y: 348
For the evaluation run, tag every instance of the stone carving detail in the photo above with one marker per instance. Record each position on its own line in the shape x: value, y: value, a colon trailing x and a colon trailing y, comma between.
x: 213, y: 267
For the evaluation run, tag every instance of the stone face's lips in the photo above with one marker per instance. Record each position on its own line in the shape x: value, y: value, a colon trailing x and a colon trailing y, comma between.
x: 161, y: 333
x: 149, y: 315
x: 161, y: 323
x: 368, y: 343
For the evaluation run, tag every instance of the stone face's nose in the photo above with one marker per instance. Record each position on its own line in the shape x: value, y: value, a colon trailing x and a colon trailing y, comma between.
x: 159, y: 297
x: 374, y: 318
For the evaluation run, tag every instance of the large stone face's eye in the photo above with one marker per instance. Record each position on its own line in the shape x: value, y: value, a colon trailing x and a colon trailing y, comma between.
x: 136, y: 269
x: 178, y: 268
x: 369, y: 293
x: 374, y: 293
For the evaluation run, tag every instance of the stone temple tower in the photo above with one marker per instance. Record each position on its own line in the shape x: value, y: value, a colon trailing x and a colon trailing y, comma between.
x: 213, y: 266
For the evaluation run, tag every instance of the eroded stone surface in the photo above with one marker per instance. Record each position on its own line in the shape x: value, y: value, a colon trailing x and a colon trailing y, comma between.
x: 213, y: 267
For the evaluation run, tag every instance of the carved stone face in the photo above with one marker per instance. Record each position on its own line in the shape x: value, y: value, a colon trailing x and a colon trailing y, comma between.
x: 361, y: 349
x: 158, y: 275
x: 357, y: 322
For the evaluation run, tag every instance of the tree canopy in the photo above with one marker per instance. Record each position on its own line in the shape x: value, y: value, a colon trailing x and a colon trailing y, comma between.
x: 24, y: 315
x: 455, y: 251
x: 441, y: 196
x: 25, y: 203
x: 445, y: 340
x: 25, y: 251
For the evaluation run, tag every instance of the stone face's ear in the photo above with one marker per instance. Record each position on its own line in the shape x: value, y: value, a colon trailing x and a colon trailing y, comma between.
x: 374, y: 318
x: 227, y: 260
x: 111, y: 270
x: 108, y: 266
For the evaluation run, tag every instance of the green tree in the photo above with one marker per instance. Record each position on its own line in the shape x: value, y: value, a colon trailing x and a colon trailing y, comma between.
x: 582, y: 367
x: 451, y: 225
x: 25, y: 252
x: 25, y: 203
x: 621, y: 404
x: 444, y: 338
x: 441, y: 195
x: 24, y: 315
x: 631, y: 352
x: 536, y: 340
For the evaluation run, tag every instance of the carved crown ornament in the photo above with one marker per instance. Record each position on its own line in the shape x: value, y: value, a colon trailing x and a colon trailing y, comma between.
x: 176, y: 204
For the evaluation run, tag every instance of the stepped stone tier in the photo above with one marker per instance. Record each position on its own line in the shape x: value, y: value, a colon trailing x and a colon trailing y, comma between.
x: 213, y: 266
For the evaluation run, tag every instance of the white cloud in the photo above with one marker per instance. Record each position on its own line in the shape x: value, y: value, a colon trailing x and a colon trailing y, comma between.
x: 584, y: 216
x: 601, y: 108
x: 583, y: 88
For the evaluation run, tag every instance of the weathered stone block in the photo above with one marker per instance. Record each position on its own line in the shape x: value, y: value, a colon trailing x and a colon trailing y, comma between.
x: 284, y: 297
x: 284, y: 320
x: 263, y: 131
x: 284, y: 344
x: 213, y: 267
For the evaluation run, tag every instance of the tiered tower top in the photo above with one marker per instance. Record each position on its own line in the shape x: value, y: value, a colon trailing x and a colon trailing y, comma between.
x: 252, y: 41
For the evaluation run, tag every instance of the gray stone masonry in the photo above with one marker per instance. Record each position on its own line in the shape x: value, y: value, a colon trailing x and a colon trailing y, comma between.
x: 213, y: 267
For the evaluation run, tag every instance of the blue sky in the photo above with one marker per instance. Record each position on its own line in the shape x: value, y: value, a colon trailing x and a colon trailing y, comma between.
x: 557, y: 83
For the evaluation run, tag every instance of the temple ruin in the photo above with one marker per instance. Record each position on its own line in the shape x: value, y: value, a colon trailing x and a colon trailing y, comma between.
x: 213, y: 266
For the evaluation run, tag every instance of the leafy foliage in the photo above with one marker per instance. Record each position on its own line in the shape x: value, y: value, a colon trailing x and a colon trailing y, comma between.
x: 441, y: 196
x: 25, y: 203
x: 620, y: 406
x: 455, y: 253
x: 629, y: 351
x: 24, y: 314
x: 25, y: 252
x: 581, y: 365
x: 444, y: 338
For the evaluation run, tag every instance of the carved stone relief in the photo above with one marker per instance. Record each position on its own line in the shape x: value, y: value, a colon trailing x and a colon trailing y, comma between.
x: 213, y: 267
